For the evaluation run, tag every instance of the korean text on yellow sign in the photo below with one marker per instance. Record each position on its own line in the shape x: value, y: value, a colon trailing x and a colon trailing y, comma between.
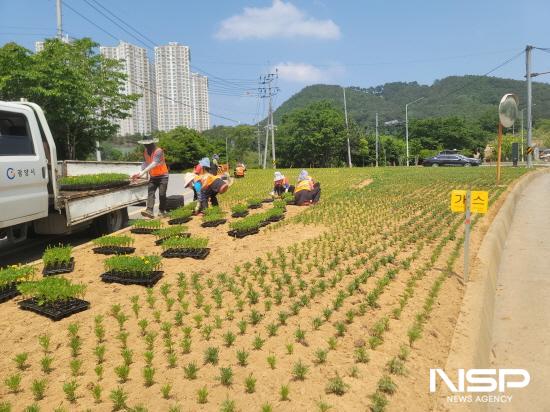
x: 458, y: 201
x: 479, y: 201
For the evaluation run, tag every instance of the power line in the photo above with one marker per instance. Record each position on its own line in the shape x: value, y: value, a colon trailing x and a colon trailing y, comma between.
x: 90, y: 21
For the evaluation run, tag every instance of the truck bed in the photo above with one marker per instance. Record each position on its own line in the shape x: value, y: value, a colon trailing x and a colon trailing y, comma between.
x: 68, y: 195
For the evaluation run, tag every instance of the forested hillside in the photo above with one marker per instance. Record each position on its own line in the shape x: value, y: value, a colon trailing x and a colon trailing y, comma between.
x: 464, y: 96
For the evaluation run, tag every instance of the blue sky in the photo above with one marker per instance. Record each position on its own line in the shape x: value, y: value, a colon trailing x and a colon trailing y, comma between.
x: 359, y: 43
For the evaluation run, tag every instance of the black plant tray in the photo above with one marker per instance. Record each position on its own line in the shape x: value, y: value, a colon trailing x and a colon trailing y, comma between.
x: 267, y: 200
x: 109, y: 185
x: 55, y: 311
x: 142, y: 230
x: 8, y: 293
x: 255, y: 206
x: 183, y: 253
x: 114, y: 250
x: 240, y: 214
x: 276, y: 218
x: 159, y: 242
x: 265, y: 223
x: 291, y: 202
x: 179, y: 220
x: 123, y: 278
x: 214, y: 223
x: 239, y: 234
x: 56, y: 270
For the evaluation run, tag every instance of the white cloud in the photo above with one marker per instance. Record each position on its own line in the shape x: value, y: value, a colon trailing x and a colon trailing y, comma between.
x: 307, y: 73
x: 279, y: 20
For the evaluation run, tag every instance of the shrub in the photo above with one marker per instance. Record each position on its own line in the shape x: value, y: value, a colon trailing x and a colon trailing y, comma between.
x: 336, y: 386
x: 51, y: 289
x: 239, y: 208
x: 13, y: 382
x: 190, y: 371
x: 38, y: 387
x: 58, y: 255
x: 211, y: 355
x: 119, y: 398
x: 299, y: 371
x: 202, y: 394
x: 212, y: 214
x: 181, y: 213
x: 254, y: 202
x: 250, y: 384
x: 386, y: 385
x: 284, y: 392
x: 226, y: 376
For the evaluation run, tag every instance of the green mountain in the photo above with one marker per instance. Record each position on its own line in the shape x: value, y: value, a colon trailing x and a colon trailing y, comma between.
x: 465, y: 96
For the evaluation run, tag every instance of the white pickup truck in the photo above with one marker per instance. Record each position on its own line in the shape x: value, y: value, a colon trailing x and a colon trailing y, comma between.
x: 29, y: 192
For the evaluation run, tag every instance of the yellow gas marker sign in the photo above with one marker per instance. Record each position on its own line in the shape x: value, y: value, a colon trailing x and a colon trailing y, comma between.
x: 479, y: 201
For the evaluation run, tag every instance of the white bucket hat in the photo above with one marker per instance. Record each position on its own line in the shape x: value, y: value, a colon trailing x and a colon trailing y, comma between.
x: 278, y: 176
x: 188, y: 178
x: 148, y: 140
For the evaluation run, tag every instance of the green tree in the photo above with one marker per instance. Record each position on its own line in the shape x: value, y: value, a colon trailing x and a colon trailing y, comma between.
x: 78, y: 89
x: 183, y: 147
x: 314, y: 136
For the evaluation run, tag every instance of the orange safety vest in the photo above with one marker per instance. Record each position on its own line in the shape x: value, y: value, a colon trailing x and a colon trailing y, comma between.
x: 160, y: 169
x: 207, y: 179
x: 306, y: 184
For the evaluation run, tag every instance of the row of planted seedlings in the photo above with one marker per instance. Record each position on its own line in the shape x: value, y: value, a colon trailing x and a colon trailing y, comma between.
x: 228, y: 338
x: 251, y: 225
x: 396, y: 365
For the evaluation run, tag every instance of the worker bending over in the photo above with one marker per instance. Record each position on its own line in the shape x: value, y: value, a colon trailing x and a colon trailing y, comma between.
x: 210, y: 186
x: 307, y: 191
x: 154, y: 164
x: 281, y: 185
x: 240, y: 170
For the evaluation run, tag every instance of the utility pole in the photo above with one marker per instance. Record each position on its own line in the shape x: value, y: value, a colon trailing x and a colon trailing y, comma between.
x: 59, y: 19
x: 267, y: 91
x: 528, y: 50
x: 347, y: 125
x: 407, y: 127
x: 376, y: 143
x: 259, y: 149
x: 521, y: 111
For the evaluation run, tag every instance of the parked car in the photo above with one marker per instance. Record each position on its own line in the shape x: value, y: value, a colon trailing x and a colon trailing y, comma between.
x: 451, y: 160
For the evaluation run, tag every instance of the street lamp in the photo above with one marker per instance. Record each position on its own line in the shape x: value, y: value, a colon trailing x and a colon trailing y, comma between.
x: 407, y: 126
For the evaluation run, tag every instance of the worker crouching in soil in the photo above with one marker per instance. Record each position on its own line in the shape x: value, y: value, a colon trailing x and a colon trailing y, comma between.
x: 307, y: 191
x: 210, y: 186
x: 281, y: 185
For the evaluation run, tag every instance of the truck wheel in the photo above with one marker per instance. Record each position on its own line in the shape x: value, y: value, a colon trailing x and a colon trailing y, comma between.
x: 111, y: 222
x: 18, y: 233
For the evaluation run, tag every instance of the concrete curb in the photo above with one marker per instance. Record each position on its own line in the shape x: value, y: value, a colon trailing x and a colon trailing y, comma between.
x: 472, y: 338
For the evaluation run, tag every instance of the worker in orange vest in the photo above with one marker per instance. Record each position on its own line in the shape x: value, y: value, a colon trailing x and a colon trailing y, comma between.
x: 210, y: 186
x: 240, y: 170
x: 154, y: 164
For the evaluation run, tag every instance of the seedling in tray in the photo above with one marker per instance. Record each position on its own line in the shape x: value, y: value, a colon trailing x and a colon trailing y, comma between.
x: 145, y: 227
x: 114, y: 245
x: 180, y: 215
x: 239, y: 210
x: 57, y: 260
x: 213, y: 216
x: 95, y: 181
x: 254, y: 203
x: 10, y: 277
x: 248, y: 226
x: 53, y: 297
x: 193, y: 247
x: 137, y: 270
x: 169, y: 232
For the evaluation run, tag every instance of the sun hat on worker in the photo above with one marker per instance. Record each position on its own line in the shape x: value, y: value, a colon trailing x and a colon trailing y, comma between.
x: 205, y: 162
x: 148, y: 140
x: 188, y: 178
x: 303, y: 175
x: 278, y: 176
